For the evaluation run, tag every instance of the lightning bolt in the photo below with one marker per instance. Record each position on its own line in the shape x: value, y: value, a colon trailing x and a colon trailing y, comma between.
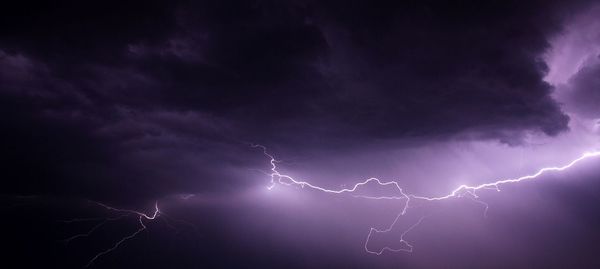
x: 141, y: 217
x: 124, y: 213
x: 462, y: 191
x: 277, y: 178
x: 93, y: 229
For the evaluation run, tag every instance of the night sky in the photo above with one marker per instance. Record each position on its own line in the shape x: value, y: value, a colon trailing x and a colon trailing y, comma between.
x: 129, y: 104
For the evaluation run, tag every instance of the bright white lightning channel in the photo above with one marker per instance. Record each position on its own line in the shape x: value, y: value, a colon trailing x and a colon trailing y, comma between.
x: 466, y: 191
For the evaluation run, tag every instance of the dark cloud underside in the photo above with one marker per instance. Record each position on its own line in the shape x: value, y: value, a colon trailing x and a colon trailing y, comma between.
x: 107, y: 84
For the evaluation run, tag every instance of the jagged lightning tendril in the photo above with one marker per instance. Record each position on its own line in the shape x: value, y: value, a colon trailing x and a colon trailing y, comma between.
x: 93, y: 229
x: 461, y: 191
x: 126, y: 212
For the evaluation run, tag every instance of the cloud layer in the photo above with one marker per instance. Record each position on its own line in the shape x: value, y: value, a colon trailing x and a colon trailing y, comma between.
x: 138, y: 91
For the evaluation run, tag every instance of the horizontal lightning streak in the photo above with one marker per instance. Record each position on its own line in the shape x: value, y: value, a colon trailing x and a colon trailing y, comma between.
x: 460, y: 191
x: 495, y: 185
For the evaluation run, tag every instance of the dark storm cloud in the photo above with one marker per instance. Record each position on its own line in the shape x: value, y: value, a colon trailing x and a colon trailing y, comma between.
x: 115, y: 88
x: 71, y: 32
x: 370, y: 70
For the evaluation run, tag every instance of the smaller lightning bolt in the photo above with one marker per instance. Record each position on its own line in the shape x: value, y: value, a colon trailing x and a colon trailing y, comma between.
x: 141, y: 217
x: 409, y: 247
x: 96, y: 227
x: 462, y: 191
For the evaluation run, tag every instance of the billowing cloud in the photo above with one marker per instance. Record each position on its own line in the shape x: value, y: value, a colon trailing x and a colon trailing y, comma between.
x: 150, y: 77
x: 574, y: 61
x: 582, y: 93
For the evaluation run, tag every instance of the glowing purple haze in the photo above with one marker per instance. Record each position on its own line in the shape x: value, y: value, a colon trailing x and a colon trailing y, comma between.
x: 277, y: 178
x: 380, y: 127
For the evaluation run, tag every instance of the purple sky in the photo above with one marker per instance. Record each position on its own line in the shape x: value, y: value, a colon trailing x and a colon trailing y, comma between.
x: 131, y: 103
